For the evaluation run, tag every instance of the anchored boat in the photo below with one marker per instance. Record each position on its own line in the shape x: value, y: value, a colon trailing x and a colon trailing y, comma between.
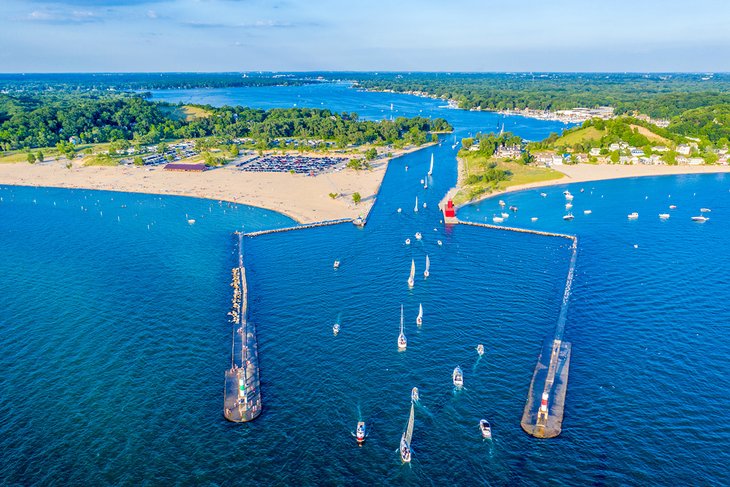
x: 336, y: 265
x: 700, y: 219
x: 633, y: 216
x: 402, y: 342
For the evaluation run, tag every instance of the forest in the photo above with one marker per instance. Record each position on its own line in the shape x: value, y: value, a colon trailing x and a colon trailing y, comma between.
x: 39, y: 120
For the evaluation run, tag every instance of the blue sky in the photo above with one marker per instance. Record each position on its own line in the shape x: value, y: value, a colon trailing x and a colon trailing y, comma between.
x: 368, y: 35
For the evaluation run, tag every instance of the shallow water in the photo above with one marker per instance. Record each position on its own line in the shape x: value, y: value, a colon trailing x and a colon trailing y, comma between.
x: 114, y: 335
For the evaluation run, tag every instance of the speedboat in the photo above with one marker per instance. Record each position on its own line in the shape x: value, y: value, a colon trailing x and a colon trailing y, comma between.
x: 424, y: 204
x: 672, y: 207
x: 513, y: 208
x: 485, y: 428
x: 414, y: 394
x: 544, y: 195
x: 405, y: 450
x: 360, y: 432
x: 497, y: 219
x: 663, y: 216
x: 501, y: 203
x: 359, y: 222
x: 458, y: 377
x: 439, y: 242
x: 569, y: 216
x: 408, y: 241
x: 569, y: 197
x: 534, y: 219
x: 336, y: 329
x: 705, y: 210
x: 400, y: 209
x: 336, y: 265
x: 587, y: 212
x: 568, y: 206
x: 418, y: 236
x: 700, y: 219
x: 191, y: 221
x: 633, y: 216
x: 480, y: 349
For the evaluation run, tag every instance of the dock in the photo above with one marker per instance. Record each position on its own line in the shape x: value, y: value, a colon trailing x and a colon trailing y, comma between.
x: 242, y: 389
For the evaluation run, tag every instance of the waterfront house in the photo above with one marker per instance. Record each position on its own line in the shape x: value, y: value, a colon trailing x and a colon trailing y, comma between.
x: 683, y: 149
x: 660, y: 148
x: 695, y: 161
x: 595, y: 151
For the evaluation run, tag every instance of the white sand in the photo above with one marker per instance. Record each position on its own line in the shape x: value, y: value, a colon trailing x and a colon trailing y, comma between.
x: 304, y: 198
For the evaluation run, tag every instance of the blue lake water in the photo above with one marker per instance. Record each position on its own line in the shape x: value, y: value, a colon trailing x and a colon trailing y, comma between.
x: 114, y: 334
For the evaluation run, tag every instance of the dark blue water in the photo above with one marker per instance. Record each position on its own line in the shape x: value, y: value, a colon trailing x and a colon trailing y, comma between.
x: 114, y: 336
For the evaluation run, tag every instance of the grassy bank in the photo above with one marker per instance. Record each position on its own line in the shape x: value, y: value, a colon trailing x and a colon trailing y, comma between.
x: 480, y: 176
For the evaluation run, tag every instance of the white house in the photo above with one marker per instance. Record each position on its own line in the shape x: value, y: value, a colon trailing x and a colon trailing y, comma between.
x: 595, y: 151
x: 695, y: 161
x: 684, y: 149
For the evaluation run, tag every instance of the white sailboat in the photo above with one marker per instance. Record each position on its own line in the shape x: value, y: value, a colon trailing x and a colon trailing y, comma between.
x: 419, y: 318
x: 415, y: 208
x: 402, y: 341
x: 411, y: 278
x: 430, y: 169
x: 425, y: 185
x: 405, y: 441
x: 426, y: 272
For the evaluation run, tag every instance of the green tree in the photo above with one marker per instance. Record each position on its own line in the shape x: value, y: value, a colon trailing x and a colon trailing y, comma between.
x: 31, y: 158
x: 356, y: 198
x: 371, y: 154
x: 138, y: 161
x: 615, y: 156
x: 333, y: 195
x: 234, y: 151
x: 40, y: 156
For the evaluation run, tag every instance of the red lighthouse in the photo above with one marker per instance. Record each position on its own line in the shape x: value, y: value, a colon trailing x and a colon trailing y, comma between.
x: 450, y: 212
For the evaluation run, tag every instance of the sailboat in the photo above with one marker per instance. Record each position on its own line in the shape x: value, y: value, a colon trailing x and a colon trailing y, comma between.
x: 425, y: 185
x: 405, y: 441
x: 419, y: 318
x: 411, y: 278
x: 415, y: 208
x: 430, y: 169
x: 402, y: 342
x: 426, y: 273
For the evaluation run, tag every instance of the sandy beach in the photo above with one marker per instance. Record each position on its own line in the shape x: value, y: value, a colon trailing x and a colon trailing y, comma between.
x: 580, y: 173
x: 303, y: 198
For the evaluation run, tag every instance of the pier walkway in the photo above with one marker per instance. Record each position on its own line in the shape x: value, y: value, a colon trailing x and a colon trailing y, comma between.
x: 242, y: 390
x: 543, y: 413
x: 300, y: 227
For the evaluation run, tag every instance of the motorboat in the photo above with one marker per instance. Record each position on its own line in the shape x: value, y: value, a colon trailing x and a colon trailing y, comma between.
x: 414, y: 394
x: 359, y: 221
x: 458, y: 377
x: 424, y: 204
x: 568, y: 206
x: 534, y: 219
x: 336, y: 265
x: 360, y: 432
x: 408, y: 241
x: 544, y: 195
x: 705, y: 210
x: 569, y: 197
x: 400, y: 210
x: 633, y: 216
x: 419, y: 318
x: 336, y: 329
x: 485, y: 428
x: 480, y: 349
x: 402, y: 341
x: 502, y: 203
x: 700, y: 219
x: 505, y: 215
x: 191, y: 221
x: 672, y: 207
x: 439, y: 242
x: 418, y: 236
x: 497, y: 219
x: 663, y: 216
x: 421, y: 181
x: 513, y: 208
x: 569, y: 216
x: 587, y: 212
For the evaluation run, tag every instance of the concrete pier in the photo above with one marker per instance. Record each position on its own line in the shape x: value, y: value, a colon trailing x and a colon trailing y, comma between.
x: 300, y: 227
x: 543, y: 414
x: 242, y: 389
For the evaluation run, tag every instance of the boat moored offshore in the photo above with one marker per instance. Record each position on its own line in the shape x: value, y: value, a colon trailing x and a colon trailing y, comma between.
x: 485, y: 428
x: 699, y: 219
x: 360, y: 432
